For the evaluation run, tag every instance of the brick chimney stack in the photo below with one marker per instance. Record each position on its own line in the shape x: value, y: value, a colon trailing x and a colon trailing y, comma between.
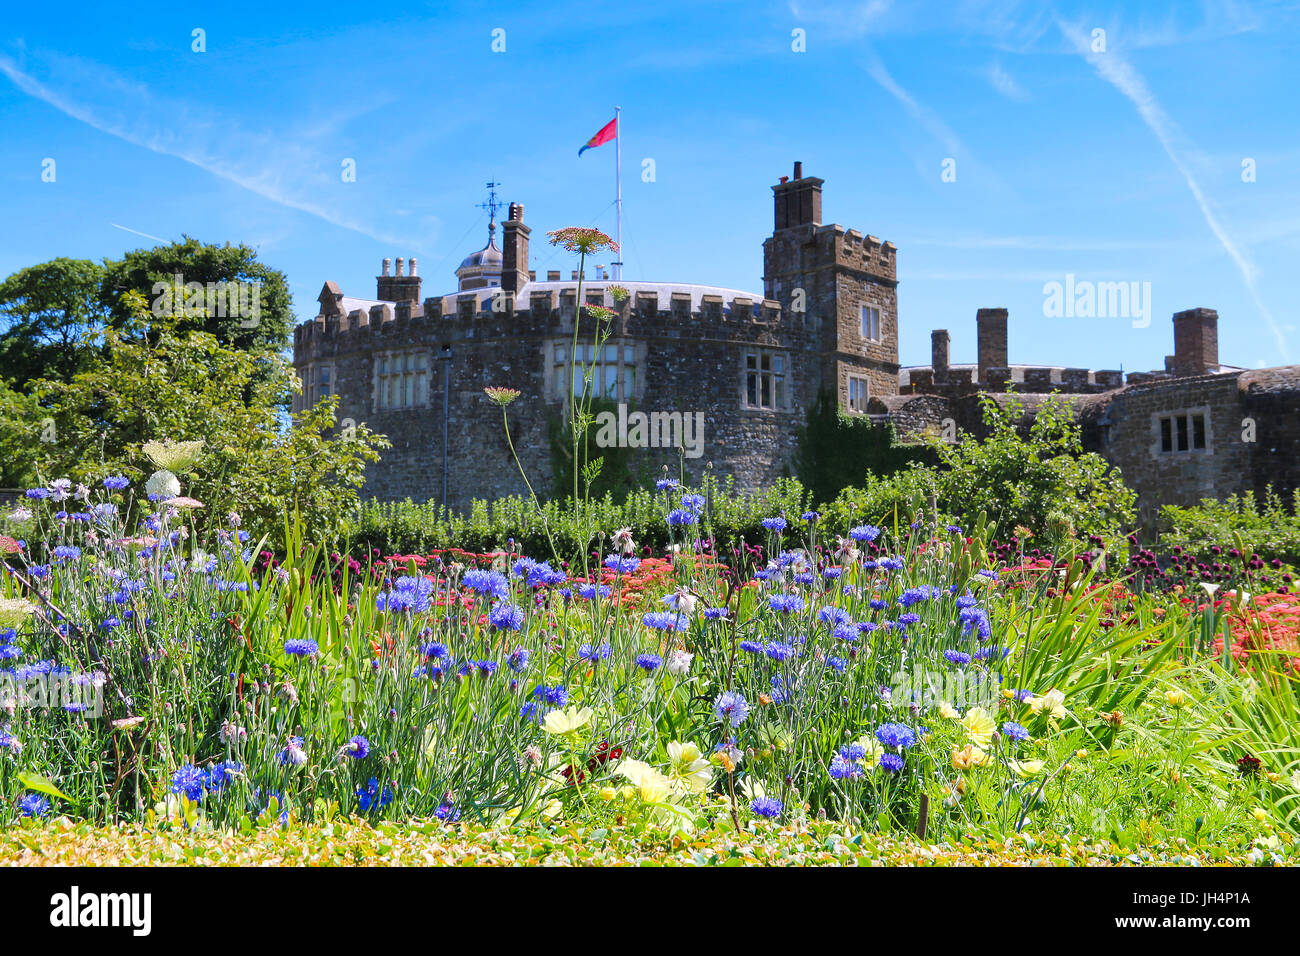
x: 939, y: 342
x: 514, y: 255
x: 1196, y: 342
x: 991, y: 326
x: 798, y: 201
x: 397, y: 287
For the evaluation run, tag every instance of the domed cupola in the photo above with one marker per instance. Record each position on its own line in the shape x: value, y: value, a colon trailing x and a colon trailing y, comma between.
x: 482, y: 269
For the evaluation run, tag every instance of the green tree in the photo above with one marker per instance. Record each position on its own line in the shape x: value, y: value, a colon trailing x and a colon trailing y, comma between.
x: 1040, y: 478
x: 46, y: 311
x: 838, y: 451
x: 185, y: 385
x: 21, y: 429
x: 153, y: 274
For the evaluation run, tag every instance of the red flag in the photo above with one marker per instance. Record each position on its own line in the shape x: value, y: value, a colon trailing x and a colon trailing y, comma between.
x: 607, y: 132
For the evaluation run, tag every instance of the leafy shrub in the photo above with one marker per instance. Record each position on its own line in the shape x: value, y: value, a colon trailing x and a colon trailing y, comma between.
x: 1267, y: 528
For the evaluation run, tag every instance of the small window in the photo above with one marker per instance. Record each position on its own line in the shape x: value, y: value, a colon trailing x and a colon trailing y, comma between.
x: 858, y: 394
x: 765, y: 380
x: 1183, y: 432
x: 870, y: 323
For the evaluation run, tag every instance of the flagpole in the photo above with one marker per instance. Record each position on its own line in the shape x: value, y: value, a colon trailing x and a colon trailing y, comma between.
x: 618, y: 187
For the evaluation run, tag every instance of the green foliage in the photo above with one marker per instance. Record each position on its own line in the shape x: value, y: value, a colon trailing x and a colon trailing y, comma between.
x: 187, y: 386
x: 45, y: 311
x: 406, y: 527
x: 20, y: 431
x: 837, y: 451
x: 151, y: 273
x: 1268, y: 528
x: 1041, y: 479
x: 609, y: 469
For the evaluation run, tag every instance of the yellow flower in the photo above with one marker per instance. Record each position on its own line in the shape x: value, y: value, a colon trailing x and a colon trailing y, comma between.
x: 969, y: 756
x: 688, y: 768
x: 567, y: 721
x: 651, y: 785
x: 608, y: 794
x: 1295, y: 779
x: 1027, y: 768
x: 947, y: 711
x: 1053, y: 703
x: 1081, y: 754
x: 1260, y: 814
x: 979, y: 724
x: 1175, y: 698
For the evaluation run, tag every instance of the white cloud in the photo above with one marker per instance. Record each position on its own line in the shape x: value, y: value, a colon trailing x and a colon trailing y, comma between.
x: 1112, y: 68
x: 269, y: 164
x: 1005, y: 83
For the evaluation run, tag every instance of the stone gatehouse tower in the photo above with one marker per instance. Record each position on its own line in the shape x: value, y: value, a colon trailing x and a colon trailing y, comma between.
x: 745, y: 366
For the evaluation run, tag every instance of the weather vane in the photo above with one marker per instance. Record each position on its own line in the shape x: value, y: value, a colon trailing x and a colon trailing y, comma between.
x: 491, y: 206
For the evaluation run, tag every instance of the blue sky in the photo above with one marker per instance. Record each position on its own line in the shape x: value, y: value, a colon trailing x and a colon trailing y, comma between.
x: 1118, y: 165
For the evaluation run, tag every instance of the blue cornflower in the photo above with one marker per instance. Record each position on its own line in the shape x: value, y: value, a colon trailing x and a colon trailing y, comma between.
x: 506, y: 617
x: 591, y: 592
x: 67, y: 552
x: 959, y: 658
x: 909, y: 618
x: 489, y: 583
x: 843, y: 768
x: 434, y: 650
x: 34, y: 805
x: 975, y: 618
x: 190, y: 782
x: 810, y: 516
x: 116, y: 483
x: 731, y: 707
x: 752, y: 647
x: 693, y: 502
x: 519, y: 660
x: 682, y: 516
x: 557, y: 696
x: 588, y: 653
x: 666, y: 484
x: 837, y: 664
x: 774, y: 524
x: 785, y: 603
x: 666, y: 621
x: 896, y: 735
x: 847, y: 632
x: 358, y: 748
x: 1015, y: 731
x: 623, y: 564
x: 891, y: 762
x: 766, y: 807
x: 648, y: 662
x: 864, y: 532
x: 447, y: 813
x: 778, y: 650
x: 370, y: 797
x: 834, y: 615
x: 10, y: 652
x: 300, y: 647
x: 832, y: 574
x: 221, y: 774
x: 954, y: 528
x: 967, y: 600
x: 715, y: 613
x: 853, y: 751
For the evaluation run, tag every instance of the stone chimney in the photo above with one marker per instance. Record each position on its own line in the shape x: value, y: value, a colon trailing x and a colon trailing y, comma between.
x: 397, y: 287
x: 939, y: 342
x: 798, y: 201
x: 991, y: 326
x: 514, y: 257
x: 1196, y: 342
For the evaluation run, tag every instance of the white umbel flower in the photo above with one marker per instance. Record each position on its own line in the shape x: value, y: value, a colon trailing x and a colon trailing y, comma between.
x: 164, y: 484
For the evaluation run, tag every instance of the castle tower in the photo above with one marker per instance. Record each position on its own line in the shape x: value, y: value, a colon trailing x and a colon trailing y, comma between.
x: 840, y: 285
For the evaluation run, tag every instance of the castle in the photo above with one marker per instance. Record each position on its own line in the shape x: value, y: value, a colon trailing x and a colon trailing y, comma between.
x: 747, y: 367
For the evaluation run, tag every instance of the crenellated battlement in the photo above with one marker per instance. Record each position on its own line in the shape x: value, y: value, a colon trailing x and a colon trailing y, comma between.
x: 548, y: 308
